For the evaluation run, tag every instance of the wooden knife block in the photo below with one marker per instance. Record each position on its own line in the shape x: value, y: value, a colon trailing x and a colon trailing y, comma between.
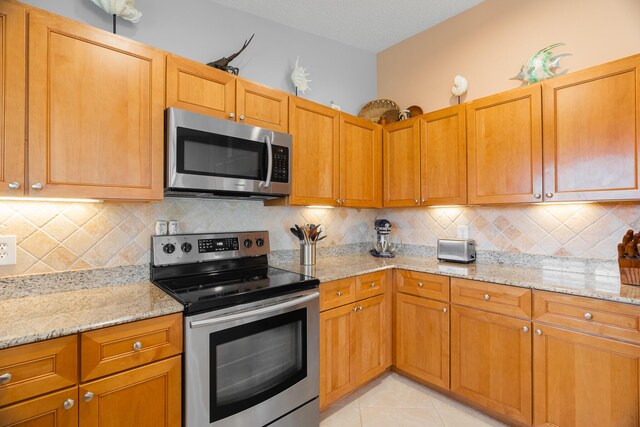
x: 629, y: 271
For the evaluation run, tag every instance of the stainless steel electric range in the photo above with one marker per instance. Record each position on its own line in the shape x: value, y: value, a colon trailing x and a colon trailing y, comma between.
x: 251, y: 331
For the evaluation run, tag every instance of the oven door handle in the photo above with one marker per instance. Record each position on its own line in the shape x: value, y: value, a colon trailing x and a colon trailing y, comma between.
x: 252, y: 313
x: 268, y: 139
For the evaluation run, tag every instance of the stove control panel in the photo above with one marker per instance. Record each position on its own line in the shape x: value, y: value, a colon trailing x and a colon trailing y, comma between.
x: 194, y: 248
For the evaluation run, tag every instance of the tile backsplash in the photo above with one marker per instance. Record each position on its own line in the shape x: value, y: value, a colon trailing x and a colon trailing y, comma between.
x: 69, y: 236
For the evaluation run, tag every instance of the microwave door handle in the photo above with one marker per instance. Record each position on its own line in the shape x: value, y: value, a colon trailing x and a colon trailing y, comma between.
x: 267, y: 140
x: 255, y: 312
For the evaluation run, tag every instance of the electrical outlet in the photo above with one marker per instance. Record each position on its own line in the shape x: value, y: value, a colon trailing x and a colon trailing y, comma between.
x: 463, y: 232
x: 7, y: 250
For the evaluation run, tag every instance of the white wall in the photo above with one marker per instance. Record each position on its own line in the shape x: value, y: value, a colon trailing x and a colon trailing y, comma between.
x: 205, y: 31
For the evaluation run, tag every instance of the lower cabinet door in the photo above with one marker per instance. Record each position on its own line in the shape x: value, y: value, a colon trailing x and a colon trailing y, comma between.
x: 372, y: 339
x: 337, y: 353
x: 582, y: 380
x: 422, y: 338
x: 491, y: 361
x: 58, y: 409
x: 150, y: 396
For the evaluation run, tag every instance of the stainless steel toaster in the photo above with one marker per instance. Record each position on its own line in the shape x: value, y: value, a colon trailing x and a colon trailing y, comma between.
x: 456, y: 250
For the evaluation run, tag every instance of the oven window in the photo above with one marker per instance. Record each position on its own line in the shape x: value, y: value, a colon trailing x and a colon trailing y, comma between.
x: 202, y: 153
x: 253, y: 362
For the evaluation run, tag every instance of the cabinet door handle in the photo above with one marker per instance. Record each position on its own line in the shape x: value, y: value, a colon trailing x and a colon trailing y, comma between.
x: 487, y: 297
x: 444, y: 310
x: 37, y: 186
x: 588, y: 316
x: 338, y: 201
x: 15, y: 185
x: 537, y: 196
x: 88, y: 396
x: 372, y: 284
x: 137, y: 346
x: 420, y: 284
x: 339, y: 293
x: 241, y: 116
x: 68, y: 404
x: 5, y: 378
x: 525, y: 329
x: 417, y: 202
x: 360, y: 307
x: 549, y: 195
x: 538, y: 332
x: 355, y: 308
x: 232, y: 115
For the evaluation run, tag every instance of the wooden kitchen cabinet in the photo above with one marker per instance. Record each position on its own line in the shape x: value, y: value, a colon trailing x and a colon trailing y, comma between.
x: 148, y: 396
x: 58, y: 409
x: 373, y: 346
x: 401, y: 154
x: 316, y: 153
x: 504, y: 140
x: 444, y: 157
x: 96, y: 113
x: 491, y: 361
x: 360, y: 162
x: 422, y: 339
x: 13, y: 49
x: 260, y: 105
x: 591, y: 133
x: 584, y: 381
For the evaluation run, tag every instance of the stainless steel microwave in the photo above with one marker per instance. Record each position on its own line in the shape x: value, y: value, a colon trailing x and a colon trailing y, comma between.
x: 210, y: 157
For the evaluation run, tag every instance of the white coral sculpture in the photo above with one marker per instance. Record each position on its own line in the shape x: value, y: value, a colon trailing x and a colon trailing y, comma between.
x: 122, y: 8
x: 299, y: 77
x: 460, y: 86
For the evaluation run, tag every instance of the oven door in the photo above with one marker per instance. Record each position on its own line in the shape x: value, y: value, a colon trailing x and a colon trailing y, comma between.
x: 252, y: 364
x: 208, y: 155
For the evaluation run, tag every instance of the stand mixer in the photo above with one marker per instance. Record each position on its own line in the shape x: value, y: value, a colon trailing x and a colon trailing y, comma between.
x: 383, y: 248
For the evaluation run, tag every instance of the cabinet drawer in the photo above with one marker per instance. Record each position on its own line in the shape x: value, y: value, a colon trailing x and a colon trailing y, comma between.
x: 114, y: 349
x: 605, y: 318
x: 43, y: 411
x: 422, y: 284
x: 502, y: 299
x: 372, y: 284
x: 33, y: 369
x: 337, y: 293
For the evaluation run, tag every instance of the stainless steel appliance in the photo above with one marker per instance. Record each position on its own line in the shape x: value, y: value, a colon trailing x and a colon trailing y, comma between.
x: 456, y: 250
x: 251, y: 331
x: 383, y: 247
x: 210, y: 157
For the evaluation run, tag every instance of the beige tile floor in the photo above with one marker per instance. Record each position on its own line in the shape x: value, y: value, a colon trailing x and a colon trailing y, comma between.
x: 393, y: 400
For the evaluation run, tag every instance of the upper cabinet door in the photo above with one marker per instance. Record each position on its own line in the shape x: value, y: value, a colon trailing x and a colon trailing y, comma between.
x: 444, y: 157
x: 262, y: 106
x: 200, y: 88
x: 401, y: 156
x: 591, y: 133
x: 504, y: 137
x: 361, y: 160
x: 13, y: 96
x: 96, y: 113
x: 316, y: 153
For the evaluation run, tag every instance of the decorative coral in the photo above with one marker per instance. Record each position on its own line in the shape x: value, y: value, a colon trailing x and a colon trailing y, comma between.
x: 299, y: 78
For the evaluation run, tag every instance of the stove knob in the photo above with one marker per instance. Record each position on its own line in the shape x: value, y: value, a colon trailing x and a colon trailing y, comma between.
x: 169, y: 248
x: 186, y: 247
x: 260, y: 242
x: 248, y: 243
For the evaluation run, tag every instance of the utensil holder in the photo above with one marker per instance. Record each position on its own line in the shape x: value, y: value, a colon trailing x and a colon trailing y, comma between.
x: 629, y: 271
x: 308, y: 254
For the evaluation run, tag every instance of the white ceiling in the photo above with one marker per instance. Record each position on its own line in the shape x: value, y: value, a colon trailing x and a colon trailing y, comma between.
x: 373, y: 25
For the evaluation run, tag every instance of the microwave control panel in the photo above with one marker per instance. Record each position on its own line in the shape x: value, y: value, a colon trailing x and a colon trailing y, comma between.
x: 280, y: 171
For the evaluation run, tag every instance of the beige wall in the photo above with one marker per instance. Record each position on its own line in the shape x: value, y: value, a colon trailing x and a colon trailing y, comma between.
x: 488, y: 43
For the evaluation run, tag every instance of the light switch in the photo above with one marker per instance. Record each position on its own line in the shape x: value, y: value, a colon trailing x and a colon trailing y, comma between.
x: 463, y: 232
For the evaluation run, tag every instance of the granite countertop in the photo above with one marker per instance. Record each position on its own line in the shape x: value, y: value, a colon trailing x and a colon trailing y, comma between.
x: 35, y: 308
x: 555, y: 279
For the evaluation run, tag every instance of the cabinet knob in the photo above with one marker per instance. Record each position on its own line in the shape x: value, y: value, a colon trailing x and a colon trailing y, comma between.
x: 15, y: 185
x: 37, y: 186
x: 588, y: 316
x: 420, y: 284
x: 5, y: 378
x: 338, y: 201
x: 549, y: 195
x: 537, y: 196
x: 68, y: 404
x: 137, y: 346
x: 355, y: 308
x: 444, y: 310
x: 538, y: 332
x: 241, y: 116
x: 422, y: 201
x: 339, y: 293
x: 525, y: 329
x: 372, y: 284
x: 88, y: 396
x: 417, y: 202
x: 486, y: 297
x: 360, y: 307
x: 232, y: 115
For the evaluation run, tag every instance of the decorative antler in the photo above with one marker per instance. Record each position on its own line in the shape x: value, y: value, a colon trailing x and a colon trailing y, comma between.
x: 223, y: 63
